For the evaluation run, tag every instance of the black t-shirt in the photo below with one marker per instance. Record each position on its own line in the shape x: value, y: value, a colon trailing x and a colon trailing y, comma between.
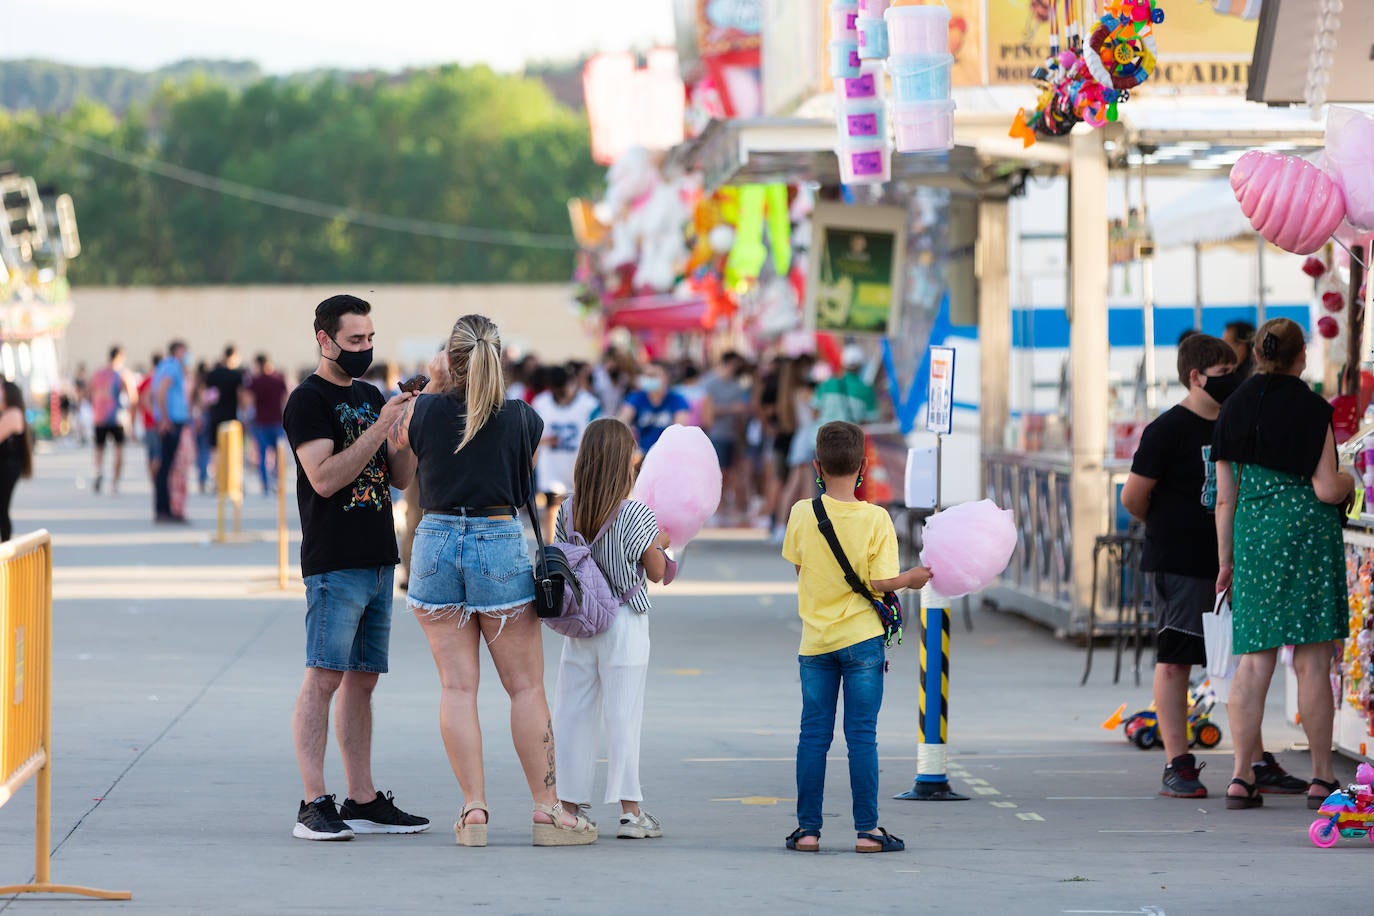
x: 226, y: 383
x: 491, y: 470
x: 352, y: 529
x: 1180, y: 528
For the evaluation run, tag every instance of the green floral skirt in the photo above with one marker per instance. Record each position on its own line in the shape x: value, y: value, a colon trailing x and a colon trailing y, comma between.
x: 1289, y: 583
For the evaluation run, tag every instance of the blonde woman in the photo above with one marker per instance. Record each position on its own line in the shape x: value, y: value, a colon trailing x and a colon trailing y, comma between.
x: 471, y: 580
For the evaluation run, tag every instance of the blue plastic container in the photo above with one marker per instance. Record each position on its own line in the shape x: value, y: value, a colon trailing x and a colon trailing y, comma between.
x: 920, y: 77
x: 872, y: 38
x: 844, y: 59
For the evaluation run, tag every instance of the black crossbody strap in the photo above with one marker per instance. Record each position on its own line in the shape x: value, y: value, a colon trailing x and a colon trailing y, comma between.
x: 828, y: 532
x: 540, y: 567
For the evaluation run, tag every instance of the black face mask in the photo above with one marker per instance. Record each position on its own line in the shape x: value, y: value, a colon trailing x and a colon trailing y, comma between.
x: 1221, y: 387
x: 353, y: 362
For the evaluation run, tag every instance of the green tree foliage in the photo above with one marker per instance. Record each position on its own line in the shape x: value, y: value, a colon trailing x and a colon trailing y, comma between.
x: 452, y: 145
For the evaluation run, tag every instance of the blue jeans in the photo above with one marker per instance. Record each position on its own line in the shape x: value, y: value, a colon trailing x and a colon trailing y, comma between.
x: 859, y: 670
x: 266, y: 436
x: 348, y: 619
x: 167, y: 456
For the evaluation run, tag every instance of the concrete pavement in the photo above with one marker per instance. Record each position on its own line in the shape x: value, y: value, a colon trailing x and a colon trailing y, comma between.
x: 177, y: 664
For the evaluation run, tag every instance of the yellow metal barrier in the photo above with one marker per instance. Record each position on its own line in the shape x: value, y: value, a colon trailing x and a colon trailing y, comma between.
x: 228, y: 475
x: 283, y: 536
x: 26, y: 697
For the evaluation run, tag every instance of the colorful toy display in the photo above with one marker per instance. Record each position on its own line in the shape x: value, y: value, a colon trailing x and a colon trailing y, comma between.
x: 1347, y: 812
x: 680, y: 480
x: 1088, y: 79
x: 1290, y: 202
x: 1142, y: 728
x: 967, y: 546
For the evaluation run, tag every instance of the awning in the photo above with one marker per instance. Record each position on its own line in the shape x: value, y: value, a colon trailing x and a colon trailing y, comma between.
x: 1209, y: 215
x: 656, y: 313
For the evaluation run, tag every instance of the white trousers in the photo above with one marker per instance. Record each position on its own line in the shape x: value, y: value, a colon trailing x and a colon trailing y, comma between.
x: 601, y: 681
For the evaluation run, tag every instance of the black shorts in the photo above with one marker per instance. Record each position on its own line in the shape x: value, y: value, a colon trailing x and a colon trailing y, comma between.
x: 114, y: 431
x: 1180, y: 602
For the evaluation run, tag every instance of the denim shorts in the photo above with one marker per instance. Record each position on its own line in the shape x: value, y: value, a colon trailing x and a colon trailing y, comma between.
x: 348, y: 619
x: 463, y: 566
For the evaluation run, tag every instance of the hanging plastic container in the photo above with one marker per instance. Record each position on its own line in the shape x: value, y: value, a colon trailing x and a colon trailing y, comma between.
x: 864, y: 162
x: 842, y: 21
x: 873, y: 9
x: 872, y: 38
x: 844, y: 59
x: 923, y: 127
x: 921, y: 77
x: 866, y: 121
x: 917, y: 29
x: 864, y: 86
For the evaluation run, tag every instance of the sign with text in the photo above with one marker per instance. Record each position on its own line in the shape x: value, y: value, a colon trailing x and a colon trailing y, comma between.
x: 1203, y: 46
x: 940, y: 392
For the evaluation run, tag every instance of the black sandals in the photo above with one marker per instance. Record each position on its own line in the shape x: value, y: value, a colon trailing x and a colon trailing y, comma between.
x: 1251, y: 798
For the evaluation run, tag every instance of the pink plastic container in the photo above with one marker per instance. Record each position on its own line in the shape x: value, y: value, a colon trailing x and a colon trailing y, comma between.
x: 923, y: 127
x: 873, y: 9
x: 864, y: 86
x: 917, y: 30
x: 843, y: 22
x: 864, y: 122
x: 864, y: 162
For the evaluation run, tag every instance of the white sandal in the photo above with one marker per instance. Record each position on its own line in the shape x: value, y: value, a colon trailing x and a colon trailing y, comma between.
x: 558, y: 833
x: 471, y: 834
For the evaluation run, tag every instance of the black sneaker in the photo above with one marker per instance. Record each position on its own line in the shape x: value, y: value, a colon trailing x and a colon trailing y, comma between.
x: 1180, y: 778
x: 319, y: 820
x: 1272, y: 779
x: 380, y: 816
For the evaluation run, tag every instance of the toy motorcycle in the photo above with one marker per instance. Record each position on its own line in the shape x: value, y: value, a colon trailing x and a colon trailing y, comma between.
x: 1142, y: 728
x: 1347, y: 812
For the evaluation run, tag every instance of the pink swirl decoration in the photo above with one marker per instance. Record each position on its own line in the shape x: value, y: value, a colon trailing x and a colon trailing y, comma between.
x: 1290, y: 202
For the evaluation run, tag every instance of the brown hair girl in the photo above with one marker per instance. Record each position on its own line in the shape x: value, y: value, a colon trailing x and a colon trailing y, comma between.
x: 604, y: 474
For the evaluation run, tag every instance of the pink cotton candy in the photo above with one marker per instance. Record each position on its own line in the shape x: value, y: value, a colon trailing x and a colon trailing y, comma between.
x: 967, y: 546
x: 680, y: 481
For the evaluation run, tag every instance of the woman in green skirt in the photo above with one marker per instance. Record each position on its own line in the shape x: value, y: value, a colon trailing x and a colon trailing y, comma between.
x: 1279, y: 496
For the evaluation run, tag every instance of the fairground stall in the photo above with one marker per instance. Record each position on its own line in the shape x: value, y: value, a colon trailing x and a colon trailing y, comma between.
x: 38, y: 237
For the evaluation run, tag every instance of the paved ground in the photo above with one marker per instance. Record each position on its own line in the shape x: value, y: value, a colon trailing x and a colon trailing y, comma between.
x: 177, y: 663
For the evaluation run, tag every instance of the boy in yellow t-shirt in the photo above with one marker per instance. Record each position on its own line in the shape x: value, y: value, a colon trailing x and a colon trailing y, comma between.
x: 842, y: 636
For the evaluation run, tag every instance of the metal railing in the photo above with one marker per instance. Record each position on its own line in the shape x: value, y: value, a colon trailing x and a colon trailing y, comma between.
x: 26, y: 697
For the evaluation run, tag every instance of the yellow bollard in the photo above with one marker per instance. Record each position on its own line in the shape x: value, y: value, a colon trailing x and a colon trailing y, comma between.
x: 26, y: 698
x: 228, y: 475
x: 283, y: 538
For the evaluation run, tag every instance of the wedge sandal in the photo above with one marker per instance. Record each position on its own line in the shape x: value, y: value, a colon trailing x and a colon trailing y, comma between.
x: 798, y: 834
x: 471, y: 834
x: 889, y: 842
x: 1251, y: 798
x: 1316, y: 801
x: 582, y: 833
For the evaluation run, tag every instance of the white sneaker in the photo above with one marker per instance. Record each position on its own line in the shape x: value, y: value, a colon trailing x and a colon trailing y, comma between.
x: 637, y: 828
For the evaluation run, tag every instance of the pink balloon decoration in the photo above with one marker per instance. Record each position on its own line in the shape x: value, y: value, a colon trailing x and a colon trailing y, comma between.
x: 967, y: 546
x: 1290, y: 202
x: 680, y: 480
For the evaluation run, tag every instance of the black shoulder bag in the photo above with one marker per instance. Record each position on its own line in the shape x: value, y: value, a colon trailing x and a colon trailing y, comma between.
x: 552, y: 574
x: 888, y: 607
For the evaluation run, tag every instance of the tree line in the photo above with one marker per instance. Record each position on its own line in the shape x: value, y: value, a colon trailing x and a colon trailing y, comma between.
x: 450, y: 146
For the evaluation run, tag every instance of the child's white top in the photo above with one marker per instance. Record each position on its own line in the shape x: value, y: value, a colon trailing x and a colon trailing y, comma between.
x: 617, y: 553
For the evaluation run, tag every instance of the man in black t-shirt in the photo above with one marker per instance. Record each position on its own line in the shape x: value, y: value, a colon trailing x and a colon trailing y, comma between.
x: 341, y: 431
x: 1172, y: 488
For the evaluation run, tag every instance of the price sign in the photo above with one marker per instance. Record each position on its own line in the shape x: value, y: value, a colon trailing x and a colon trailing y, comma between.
x: 940, y: 392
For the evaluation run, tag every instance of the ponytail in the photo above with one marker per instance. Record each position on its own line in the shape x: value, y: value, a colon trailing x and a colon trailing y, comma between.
x: 474, y: 357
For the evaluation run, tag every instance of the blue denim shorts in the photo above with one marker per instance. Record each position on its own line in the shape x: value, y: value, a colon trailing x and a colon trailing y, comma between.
x: 348, y: 619
x: 464, y: 566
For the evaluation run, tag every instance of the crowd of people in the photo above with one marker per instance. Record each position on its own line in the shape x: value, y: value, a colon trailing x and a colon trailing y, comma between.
x: 471, y: 446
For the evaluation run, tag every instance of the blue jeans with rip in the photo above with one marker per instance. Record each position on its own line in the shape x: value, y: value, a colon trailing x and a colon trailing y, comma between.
x: 858, y: 669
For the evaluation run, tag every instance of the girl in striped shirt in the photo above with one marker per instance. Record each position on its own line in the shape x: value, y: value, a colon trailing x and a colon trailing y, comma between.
x: 603, y: 675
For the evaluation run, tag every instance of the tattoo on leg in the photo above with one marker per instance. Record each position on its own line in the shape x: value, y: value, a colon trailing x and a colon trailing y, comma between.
x: 549, y: 779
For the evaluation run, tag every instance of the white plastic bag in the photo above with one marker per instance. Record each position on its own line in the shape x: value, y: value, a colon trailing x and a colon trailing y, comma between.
x: 1216, y: 631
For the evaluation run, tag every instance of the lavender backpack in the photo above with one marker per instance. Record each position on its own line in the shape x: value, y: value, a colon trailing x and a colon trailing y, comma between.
x: 600, y: 603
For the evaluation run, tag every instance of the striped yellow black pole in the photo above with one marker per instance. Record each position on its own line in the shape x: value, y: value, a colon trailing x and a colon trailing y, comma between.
x: 932, y: 704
